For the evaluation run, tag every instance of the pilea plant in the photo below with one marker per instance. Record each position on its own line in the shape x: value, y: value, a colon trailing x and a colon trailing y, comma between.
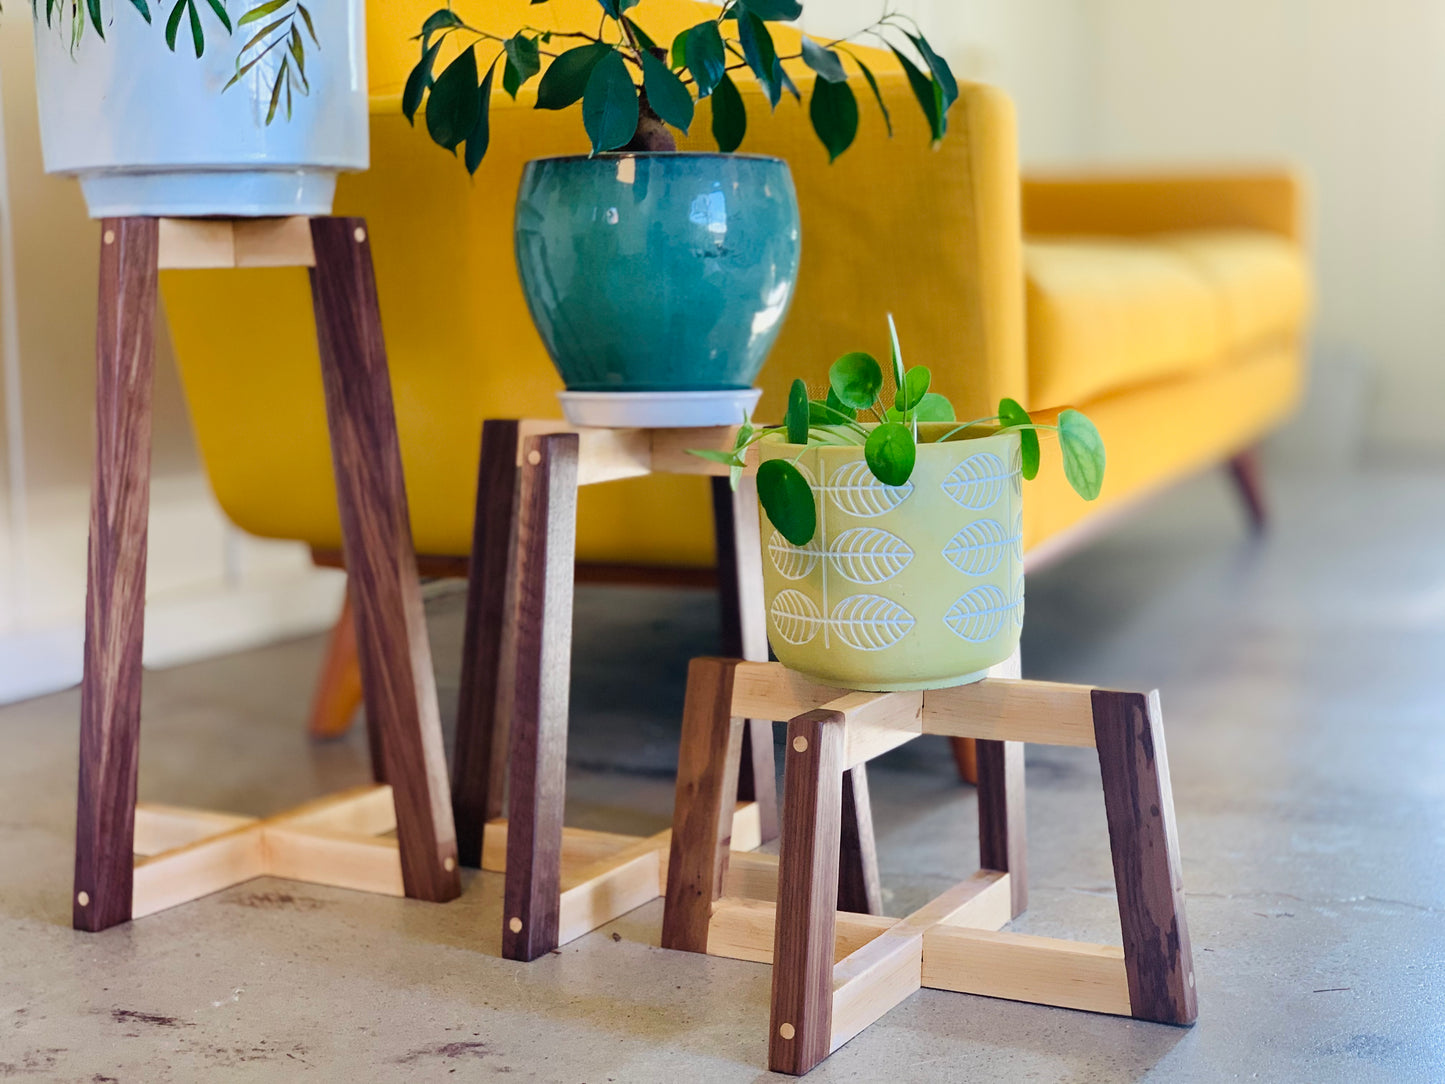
x: 890, y: 440
x: 283, y: 21
x: 633, y: 91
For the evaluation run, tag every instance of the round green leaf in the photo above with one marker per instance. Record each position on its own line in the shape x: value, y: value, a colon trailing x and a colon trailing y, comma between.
x: 729, y: 116
x: 609, y: 104
x: 787, y: 499
x: 565, y: 79
x: 837, y: 404
x: 798, y: 412
x: 1083, y: 450
x: 891, y: 453
x: 452, y: 106
x: 834, y: 113
x: 935, y: 408
x: 1011, y: 412
x: 914, y: 387
x: 666, y: 94
x: 856, y: 380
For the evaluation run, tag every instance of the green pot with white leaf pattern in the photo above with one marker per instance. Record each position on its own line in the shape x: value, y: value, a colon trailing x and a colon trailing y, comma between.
x: 918, y: 586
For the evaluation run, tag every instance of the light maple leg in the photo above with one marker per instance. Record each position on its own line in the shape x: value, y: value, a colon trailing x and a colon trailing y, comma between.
x: 1139, y: 803
x: 745, y: 631
x: 480, y: 765
x: 702, y: 815
x: 536, y: 658
x: 110, y: 691
x: 965, y: 758
x: 338, y: 687
x: 1248, y: 474
x: 1002, y: 828
x: 803, y: 938
x: 396, y: 671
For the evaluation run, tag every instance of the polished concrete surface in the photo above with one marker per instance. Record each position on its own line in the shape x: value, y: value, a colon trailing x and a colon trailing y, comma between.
x: 1303, y: 681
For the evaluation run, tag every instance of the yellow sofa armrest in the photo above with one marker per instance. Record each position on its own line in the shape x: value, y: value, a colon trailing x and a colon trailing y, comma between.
x: 1103, y: 203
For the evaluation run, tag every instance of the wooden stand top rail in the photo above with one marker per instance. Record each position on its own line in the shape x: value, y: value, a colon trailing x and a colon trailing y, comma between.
x: 610, y: 455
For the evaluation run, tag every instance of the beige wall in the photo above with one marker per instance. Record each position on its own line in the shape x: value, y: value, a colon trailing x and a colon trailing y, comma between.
x: 1353, y: 91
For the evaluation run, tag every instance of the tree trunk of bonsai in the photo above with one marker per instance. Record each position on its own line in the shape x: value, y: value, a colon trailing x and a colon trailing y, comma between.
x: 652, y: 134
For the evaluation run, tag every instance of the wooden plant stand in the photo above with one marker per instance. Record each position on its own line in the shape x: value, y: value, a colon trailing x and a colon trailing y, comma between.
x: 834, y: 974
x: 186, y: 854
x: 512, y: 716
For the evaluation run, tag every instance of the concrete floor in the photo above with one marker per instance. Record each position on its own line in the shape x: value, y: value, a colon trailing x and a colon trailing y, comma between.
x: 1302, y: 692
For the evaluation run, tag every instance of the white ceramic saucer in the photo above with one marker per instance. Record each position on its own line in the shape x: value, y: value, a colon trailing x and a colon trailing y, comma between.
x: 659, y: 409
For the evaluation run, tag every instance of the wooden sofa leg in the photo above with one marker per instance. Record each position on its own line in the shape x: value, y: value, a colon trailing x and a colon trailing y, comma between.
x: 965, y: 756
x: 338, y: 687
x: 1248, y: 477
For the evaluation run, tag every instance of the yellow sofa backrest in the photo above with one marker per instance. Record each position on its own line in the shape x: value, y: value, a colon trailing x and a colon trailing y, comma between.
x: 930, y: 234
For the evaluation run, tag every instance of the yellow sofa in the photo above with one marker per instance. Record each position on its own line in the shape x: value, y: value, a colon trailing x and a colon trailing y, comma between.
x: 1170, y: 309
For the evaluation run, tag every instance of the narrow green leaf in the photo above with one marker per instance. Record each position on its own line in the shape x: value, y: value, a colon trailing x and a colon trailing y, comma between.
x: 834, y: 113
x: 298, y: 54
x: 451, y: 108
x: 1010, y: 413
x: 609, y: 104
x: 891, y: 453
x: 774, y: 10
x: 716, y: 455
x: 643, y: 38
x: 260, y: 11
x: 877, y: 93
x: 481, y: 133
x: 1083, y: 450
x: 173, y: 24
x: 310, y: 26
x: 219, y: 7
x: 665, y: 93
x: 787, y: 499
x: 706, y: 57
x: 565, y: 80
x: 761, y: 55
x: 417, y: 82
x: 942, y: 74
x: 855, y: 380
x: 441, y: 19
x: 823, y: 61
x: 729, y: 116
x: 896, y: 352
x: 93, y: 6
x: 258, y: 36
x: 797, y: 416
x: 140, y: 6
x: 240, y: 73
x: 914, y: 387
x: 935, y: 408
x: 929, y: 96
x: 276, y: 90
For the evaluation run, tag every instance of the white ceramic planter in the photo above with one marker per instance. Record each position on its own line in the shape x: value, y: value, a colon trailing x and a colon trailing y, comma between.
x: 150, y: 132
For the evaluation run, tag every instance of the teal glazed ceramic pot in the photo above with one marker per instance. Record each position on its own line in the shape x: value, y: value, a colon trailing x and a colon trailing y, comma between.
x: 658, y: 272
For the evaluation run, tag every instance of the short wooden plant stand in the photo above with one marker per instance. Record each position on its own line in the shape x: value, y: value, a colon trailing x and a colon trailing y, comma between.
x: 342, y: 840
x: 834, y: 974
x: 513, y: 713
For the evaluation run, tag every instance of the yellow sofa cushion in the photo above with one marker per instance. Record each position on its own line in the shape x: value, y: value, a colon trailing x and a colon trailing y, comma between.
x: 1261, y: 280
x: 1110, y: 313
x: 1105, y: 313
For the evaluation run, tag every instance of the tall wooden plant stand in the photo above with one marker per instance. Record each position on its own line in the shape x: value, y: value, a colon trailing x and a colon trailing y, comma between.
x: 834, y: 974
x: 187, y: 853
x: 512, y: 717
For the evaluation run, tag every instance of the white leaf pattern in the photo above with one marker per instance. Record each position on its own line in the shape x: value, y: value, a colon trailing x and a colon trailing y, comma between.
x: 870, y: 622
x: 869, y: 555
x: 979, y: 613
x: 796, y: 617
x: 791, y: 562
x: 1019, y: 603
x: 978, y: 548
x: 1016, y: 470
x: 1018, y: 539
x: 856, y: 492
x: 978, y: 481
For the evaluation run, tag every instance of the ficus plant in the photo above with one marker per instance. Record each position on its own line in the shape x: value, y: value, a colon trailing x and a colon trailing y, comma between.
x: 270, y: 27
x: 890, y: 439
x: 635, y: 92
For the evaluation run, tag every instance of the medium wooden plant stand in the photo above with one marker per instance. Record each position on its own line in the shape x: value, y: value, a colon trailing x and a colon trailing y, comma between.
x: 341, y: 840
x: 512, y: 717
x: 834, y: 974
